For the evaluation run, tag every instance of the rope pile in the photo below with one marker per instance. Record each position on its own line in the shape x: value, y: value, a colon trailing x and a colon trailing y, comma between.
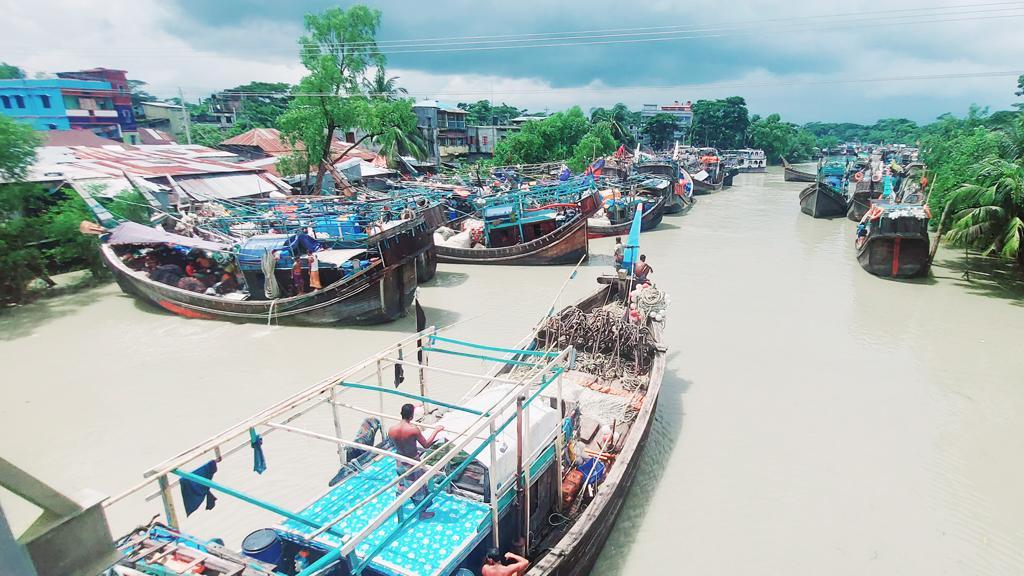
x: 652, y: 302
x: 606, y: 342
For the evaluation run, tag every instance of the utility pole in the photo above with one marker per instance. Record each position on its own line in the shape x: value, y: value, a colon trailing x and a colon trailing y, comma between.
x: 184, y: 113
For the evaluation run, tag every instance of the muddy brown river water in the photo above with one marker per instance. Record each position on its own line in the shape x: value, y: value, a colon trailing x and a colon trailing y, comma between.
x: 814, y: 419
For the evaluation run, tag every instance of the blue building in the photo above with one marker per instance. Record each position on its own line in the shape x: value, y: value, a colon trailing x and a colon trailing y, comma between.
x: 69, y: 104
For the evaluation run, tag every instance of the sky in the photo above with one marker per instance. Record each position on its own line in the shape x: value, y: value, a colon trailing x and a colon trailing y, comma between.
x: 853, y: 61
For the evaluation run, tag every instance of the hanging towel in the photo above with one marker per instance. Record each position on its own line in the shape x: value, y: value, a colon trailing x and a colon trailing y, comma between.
x: 193, y: 494
x: 314, y: 273
x: 259, y: 461
x: 268, y: 263
x: 421, y: 325
x: 399, y: 370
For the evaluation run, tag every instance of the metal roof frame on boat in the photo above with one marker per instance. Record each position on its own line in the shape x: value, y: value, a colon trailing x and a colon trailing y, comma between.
x: 488, y: 422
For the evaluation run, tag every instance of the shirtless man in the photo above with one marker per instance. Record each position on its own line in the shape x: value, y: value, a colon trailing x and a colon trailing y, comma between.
x: 494, y: 567
x: 406, y: 436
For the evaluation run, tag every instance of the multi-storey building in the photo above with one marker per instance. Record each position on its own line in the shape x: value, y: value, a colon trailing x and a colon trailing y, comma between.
x: 98, y: 100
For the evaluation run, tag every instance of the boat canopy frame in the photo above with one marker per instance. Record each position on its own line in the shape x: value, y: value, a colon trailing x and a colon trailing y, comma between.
x: 547, y: 368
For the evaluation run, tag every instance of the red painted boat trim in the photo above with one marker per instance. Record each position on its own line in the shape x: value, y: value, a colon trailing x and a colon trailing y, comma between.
x: 896, y: 256
x: 183, y: 311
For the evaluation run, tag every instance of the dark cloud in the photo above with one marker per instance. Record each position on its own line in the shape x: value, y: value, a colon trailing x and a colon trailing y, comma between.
x: 863, y: 45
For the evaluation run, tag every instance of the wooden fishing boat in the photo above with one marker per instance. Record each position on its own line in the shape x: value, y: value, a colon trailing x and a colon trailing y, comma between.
x: 793, y: 175
x: 652, y: 215
x: 860, y: 201
x: 705, y: 187
x: 548, y: 243
x: 730, y: 173
x: 379, y: 292
x: 892, y: 240
x: 506, y: 461
x: 680, y: 182
x: 822, y: 201
x: 573, y: 552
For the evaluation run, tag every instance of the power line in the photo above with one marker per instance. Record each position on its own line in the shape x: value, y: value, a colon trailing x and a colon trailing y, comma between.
x: 671, y: 33
x: 677, y: 87
x: 675, y: 27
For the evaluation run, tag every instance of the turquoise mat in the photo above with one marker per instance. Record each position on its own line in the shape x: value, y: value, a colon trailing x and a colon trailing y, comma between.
x: 425, y: 548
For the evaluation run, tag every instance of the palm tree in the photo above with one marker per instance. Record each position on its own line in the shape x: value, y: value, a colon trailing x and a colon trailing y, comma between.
x: 383, y: 87
x: 988, y: 214
x: 618, y: 118
x: 395, y: 142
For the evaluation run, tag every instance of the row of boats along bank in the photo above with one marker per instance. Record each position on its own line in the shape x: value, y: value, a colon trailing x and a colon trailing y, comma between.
x: 358, y: 256
x: 884, y: 190
x: 536, y: 456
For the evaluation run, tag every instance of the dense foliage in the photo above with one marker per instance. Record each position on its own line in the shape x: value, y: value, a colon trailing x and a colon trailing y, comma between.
x: 978, y: 183
x: 720, y: 123
x: 779, y: 139
x: 660, y: 130
x: 338, y: 47
x: 482, y: 113
x: 549, y: 140
x: 10, y: 72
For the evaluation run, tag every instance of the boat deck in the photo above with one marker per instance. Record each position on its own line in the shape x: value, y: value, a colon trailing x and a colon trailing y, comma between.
x: 427, y: 547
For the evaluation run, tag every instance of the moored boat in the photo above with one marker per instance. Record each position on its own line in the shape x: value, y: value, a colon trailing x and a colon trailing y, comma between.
x: 892, y: 240
x: 681, y: 183
x: 509, y: 233
x: 793, y: 175
x: 365, y: 284
x: 542, y: 432
x: 622, y: 217
x: 746, y: 160
x: 822, y: 201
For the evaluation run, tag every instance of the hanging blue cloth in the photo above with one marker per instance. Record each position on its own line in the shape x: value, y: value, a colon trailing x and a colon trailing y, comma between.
x: 193, y: 494
x: 259, y: 461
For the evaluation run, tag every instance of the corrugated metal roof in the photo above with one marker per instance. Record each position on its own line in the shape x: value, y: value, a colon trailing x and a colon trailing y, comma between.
x: 225, y: 186
x: 268, y: 140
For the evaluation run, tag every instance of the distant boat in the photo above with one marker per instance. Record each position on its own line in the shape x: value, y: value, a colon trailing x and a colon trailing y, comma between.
x: 746, y: 160
x: 793, y: 175
x: 653, y: 212
x: 822, y: 201
x: 534, y: 237
x: 681, y: 198
x: 893, y: 240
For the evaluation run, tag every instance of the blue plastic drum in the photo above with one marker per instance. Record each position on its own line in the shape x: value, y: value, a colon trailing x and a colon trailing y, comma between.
x: 263, y: 545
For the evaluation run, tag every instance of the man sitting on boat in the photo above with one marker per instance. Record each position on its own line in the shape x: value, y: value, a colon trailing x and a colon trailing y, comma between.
x: 642, y: 269
x: 406, y: 435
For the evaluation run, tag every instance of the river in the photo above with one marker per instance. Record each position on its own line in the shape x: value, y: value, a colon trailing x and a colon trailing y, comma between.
x: 814, y: 419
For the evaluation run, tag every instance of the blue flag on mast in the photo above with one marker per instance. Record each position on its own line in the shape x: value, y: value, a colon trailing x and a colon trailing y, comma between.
x: 631, y: 254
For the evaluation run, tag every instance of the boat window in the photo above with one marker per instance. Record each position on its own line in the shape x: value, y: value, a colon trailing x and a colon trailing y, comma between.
x: 473, y: 479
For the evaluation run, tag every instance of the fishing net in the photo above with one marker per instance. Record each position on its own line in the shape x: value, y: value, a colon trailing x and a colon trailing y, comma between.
x: 610, y: 345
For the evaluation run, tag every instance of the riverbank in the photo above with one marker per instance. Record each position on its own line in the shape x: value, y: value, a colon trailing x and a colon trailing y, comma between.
x: 814, y: 418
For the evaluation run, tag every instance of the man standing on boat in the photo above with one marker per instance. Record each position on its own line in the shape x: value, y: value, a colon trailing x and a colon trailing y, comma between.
x: 642, y: 269
x: 406, y: 436
x: 493, y: 565
x: 620, y: 252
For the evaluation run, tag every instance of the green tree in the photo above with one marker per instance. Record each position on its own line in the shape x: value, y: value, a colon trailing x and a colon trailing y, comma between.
x: 10, y: 72
x: 20, y: 202
x: 598, y: 142
x: 261, y: 103
x: 549, y: 140
x: 720, y: 123
x: 780, y: 139
x: 337, y: 48
x: 661, y: 129
x: 380, y: 86
x: 989, y: 211
x: 482, y: 113
x: 619, y: 120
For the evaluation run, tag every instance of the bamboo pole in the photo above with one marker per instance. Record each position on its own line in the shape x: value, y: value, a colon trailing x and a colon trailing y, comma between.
x: 493, y: 486
x: 336, y: 416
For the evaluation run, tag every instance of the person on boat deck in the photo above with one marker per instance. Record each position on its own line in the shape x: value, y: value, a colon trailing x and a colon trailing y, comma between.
x: 201, y: 267
x: 406, y: 436
x: 642, y: 269
x: 620, y: 252
x: 494, y: 566
x: 298, y: 282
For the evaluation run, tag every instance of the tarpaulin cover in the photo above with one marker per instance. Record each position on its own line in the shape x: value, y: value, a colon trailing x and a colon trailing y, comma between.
x: 134, y: 233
